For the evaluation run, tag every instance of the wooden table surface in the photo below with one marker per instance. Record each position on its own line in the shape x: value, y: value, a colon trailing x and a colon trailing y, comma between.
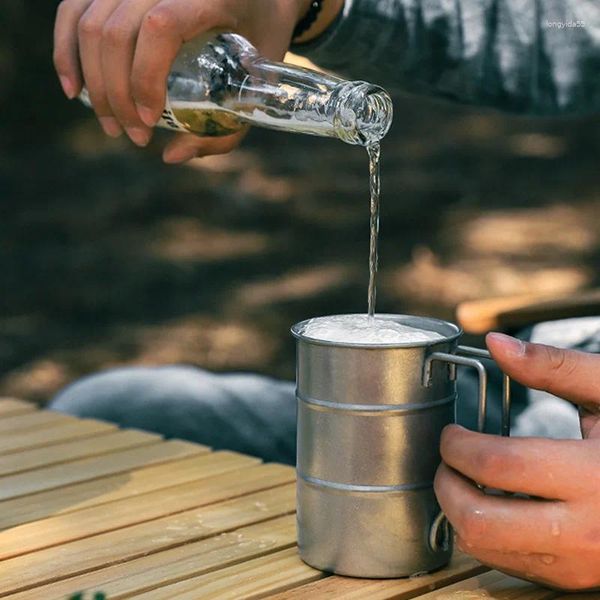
x: 87, y: 507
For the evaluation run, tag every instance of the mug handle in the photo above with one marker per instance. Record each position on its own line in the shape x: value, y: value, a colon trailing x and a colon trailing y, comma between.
x: 505, y: 426
x: 439, y: 534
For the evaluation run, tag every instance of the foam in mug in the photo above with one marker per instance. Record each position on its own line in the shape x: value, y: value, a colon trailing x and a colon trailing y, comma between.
x: 363, y: 329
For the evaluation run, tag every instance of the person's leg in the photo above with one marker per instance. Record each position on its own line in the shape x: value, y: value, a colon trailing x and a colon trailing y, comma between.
x: 257, y: 415
x: 247, y: 413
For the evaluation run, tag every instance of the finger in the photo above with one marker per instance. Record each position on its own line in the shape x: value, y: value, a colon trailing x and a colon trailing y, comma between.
x: 90, y: 29
x: 534, y: 466
x: 186, y: 146
x: 589, y: 417
x: 66, y: 45
x: 534, y: 567
x: 164, y: 29
x: 569, y: 374
x: 543, y: 568
x: 118, y: 46
x: 498, y: 523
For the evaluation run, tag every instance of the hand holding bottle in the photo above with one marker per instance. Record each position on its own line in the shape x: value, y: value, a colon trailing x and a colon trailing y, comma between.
x: 122, y: 51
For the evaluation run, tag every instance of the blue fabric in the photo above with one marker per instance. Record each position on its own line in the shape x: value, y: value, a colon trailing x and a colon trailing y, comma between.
x: 257, y: 415
x: 526, y: 56
x: 247, y: 413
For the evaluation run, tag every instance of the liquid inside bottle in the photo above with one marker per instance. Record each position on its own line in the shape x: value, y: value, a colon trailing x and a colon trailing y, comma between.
x: 219, y: 85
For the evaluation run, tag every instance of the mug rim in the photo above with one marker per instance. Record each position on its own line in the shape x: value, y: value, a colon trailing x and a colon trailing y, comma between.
x: 436, y: 325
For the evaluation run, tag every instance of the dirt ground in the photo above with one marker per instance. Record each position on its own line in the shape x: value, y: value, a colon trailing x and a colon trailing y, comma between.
x: 108, y: 257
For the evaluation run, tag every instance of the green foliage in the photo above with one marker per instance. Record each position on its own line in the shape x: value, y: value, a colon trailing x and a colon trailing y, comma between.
x: 81, y: 596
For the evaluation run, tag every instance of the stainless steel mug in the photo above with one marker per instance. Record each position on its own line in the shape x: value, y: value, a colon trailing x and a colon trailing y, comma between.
x: 369, y: 424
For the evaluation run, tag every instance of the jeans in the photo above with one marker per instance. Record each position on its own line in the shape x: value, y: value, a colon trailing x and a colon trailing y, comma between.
x: 256, y: 415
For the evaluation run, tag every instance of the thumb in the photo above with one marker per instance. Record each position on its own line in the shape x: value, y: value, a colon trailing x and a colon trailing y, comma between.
x: 570, y: 374
x: 185, y: 146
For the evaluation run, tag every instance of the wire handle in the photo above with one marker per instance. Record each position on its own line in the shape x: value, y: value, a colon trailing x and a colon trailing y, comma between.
x: 481, y: 353
x: 439, y: 534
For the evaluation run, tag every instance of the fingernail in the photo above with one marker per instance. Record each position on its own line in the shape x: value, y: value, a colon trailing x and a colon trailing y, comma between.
x: 454, y: 427
x: 67, y: 86
x: 510, y: 344
x: 111, y: 126
x: 179, y: 155
x: 138, y: 136
x: 146, y: 115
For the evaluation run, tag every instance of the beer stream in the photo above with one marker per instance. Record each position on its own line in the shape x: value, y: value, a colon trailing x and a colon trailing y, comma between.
x: 374, y: 186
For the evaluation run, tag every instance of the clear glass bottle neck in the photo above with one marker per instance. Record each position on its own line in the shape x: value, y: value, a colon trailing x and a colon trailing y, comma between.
x: 228, y: 72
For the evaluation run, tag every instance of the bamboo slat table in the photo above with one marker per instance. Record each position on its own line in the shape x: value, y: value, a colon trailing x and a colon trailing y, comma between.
x: 91, y: 511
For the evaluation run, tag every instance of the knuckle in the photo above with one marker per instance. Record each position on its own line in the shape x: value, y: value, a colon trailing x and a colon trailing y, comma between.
x: 61, y: 10
x: 560, y: 363
x: 64, y: 9
x: 115, y: 34
x: 159, y: 20
x: 89, y: 27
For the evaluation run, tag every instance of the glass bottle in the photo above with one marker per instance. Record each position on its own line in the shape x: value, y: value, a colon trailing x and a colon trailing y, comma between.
x: 217, y: 86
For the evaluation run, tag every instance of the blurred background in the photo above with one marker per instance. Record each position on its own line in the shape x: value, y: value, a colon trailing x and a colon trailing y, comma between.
x: 108, y: 257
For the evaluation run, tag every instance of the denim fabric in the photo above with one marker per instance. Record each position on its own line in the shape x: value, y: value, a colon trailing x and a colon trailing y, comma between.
x: 257, y: 415
x: 525, y: 56
x: 242, y: 412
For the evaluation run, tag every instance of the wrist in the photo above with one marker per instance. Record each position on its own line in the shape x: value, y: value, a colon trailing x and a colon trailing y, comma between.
x: 326, y: 16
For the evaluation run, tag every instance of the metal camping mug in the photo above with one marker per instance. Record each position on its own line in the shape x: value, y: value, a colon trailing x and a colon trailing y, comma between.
x: 369, y: 424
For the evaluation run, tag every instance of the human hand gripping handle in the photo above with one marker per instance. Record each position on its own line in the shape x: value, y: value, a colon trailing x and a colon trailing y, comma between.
x: 122, y: 51
x: 552, y: 535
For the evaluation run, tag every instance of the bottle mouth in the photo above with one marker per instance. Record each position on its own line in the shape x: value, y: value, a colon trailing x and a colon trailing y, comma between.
x: 363, y: 114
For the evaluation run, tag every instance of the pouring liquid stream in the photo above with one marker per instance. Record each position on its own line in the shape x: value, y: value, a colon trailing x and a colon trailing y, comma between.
x: 374, y: 151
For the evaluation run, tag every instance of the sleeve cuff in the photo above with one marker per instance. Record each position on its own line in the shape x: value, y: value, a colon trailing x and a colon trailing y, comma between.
x: 324, y: 49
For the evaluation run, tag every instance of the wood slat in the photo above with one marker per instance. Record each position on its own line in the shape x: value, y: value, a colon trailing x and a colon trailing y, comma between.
x: 74, y: 450
x: 176, y: 564
x: 100, y: 491
x: 516, y: 312
x: 70, y: 559
x: 580, y: 596
x: 13, y: 486
x: 123, y: 513
x: 252, y: 579
x: 129, y: 511
x: 27, y: 440
x: 492, y: 585
x: 349, y: 588
x: 12, y: 406
x: 33, y: 420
